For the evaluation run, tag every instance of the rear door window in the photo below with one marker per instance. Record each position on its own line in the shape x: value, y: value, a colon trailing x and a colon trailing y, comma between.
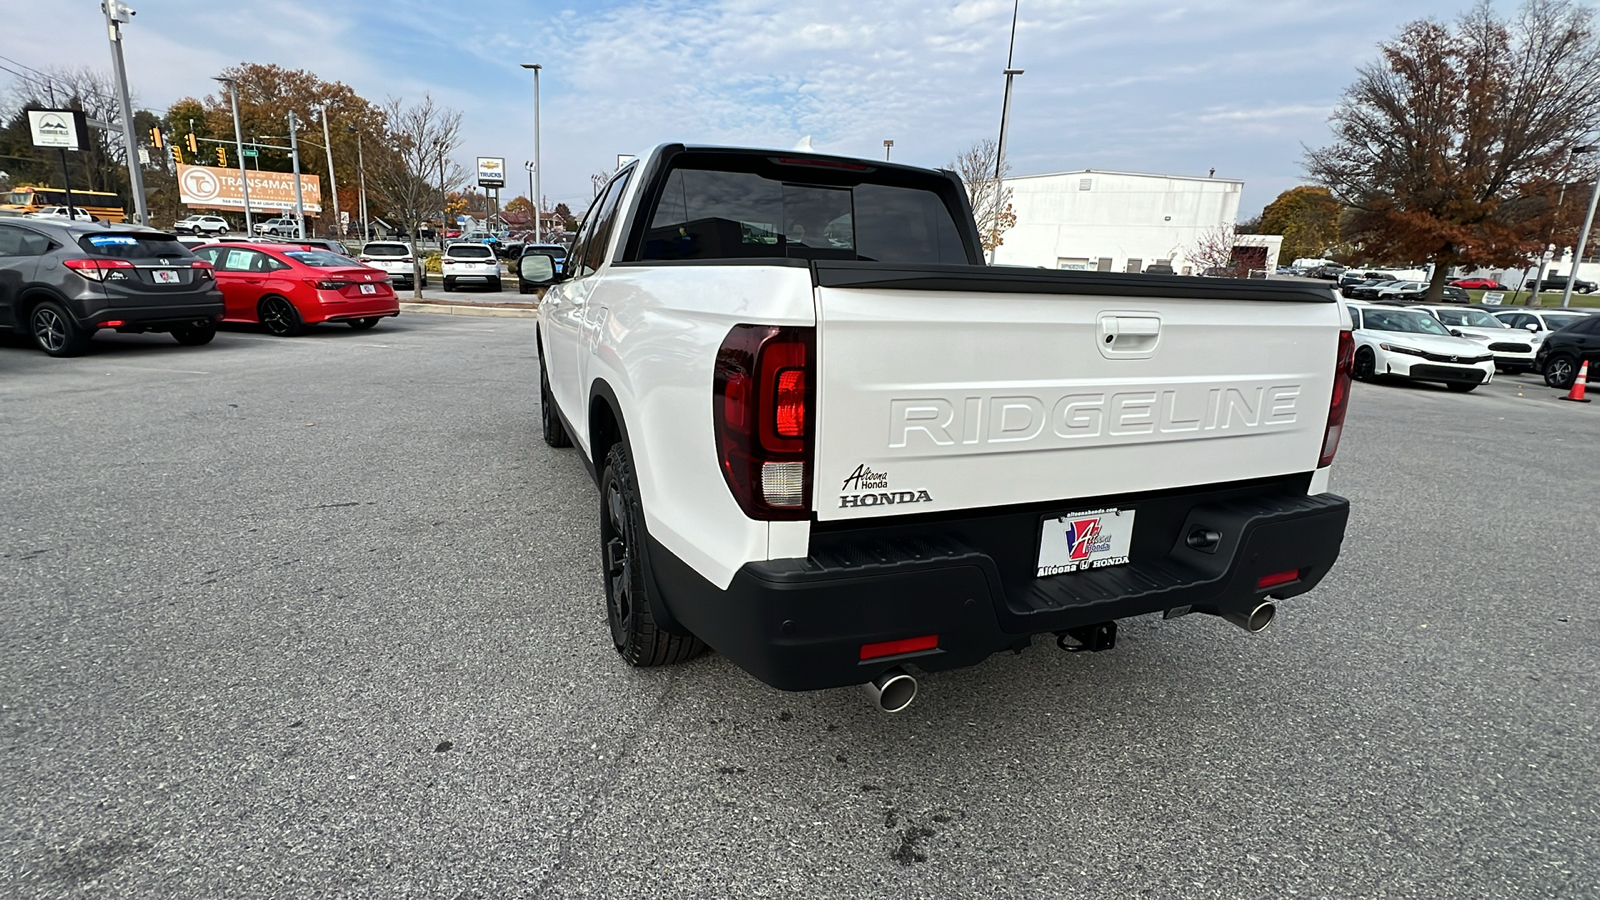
x: 133, y: 246
x: 16, y: 241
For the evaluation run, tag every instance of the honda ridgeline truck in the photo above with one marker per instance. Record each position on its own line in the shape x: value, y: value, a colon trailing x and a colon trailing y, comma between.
x: 830, y: 442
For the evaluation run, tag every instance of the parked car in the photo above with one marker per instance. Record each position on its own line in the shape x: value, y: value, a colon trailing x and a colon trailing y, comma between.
x: 279, y: 227
x: 398, y: 259
x: 471, y: 261
x: 60, y: 212
x: 328, y: 244
x: 558, y: 258
x: 1554, y: 282
x: 1368, y: 290
x: 287, y: 287
x: 1401, y: 290
x: 1409, y: 343
x: 1478, y: 284
x: 1563, y: 352
x: 1159, y: 269
x: 215, y: 226
x: 1329, y: 272
x: 830, y: 445
x: 1512, y: 347
x: 63, y: 280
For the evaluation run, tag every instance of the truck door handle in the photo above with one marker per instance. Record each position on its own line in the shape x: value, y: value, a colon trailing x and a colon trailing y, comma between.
x: 1128, y: 335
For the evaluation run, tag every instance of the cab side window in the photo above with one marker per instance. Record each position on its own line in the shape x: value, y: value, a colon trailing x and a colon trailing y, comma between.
x: 597, y: 231
x: 1355, y: 317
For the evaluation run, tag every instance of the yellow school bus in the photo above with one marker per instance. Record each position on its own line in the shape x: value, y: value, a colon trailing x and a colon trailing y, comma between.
x: 100, y: 204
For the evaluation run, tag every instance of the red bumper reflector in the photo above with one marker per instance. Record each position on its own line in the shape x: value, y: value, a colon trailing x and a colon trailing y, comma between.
x: 1278, y: 578
x: 112, y: 323
x: 895, y: 648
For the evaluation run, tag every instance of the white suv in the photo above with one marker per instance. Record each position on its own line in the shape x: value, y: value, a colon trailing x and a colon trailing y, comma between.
x: 393, y: 257
x: 470, y: 261
x: 216, y: 226
x: 281, y: 227
x: 60, y: 212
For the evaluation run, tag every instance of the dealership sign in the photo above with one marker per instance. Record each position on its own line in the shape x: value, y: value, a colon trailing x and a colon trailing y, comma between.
x: 491, y: 172
x: 208, y: 187
x: 58, y: 129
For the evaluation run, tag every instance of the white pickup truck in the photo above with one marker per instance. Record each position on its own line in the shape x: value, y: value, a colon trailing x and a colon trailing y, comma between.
x: 830, y: 443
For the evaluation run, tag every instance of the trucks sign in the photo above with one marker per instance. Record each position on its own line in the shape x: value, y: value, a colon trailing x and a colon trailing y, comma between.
x: 491, y: 172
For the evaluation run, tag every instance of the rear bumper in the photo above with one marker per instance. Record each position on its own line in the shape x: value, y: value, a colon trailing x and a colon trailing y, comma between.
x: 799, y: 624
x: 158, y: 318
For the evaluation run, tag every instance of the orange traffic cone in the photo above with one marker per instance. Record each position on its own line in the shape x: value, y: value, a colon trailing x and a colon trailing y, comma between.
x: 1579, y: 384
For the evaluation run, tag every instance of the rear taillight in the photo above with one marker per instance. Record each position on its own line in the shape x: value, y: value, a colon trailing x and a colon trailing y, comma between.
x: 1341, y: 398
x: 326, y: 285
x: 762, y: 402
x: 408, y: 260
x: 100, y: 269
x: 363, y: 259
x: 204, y: 267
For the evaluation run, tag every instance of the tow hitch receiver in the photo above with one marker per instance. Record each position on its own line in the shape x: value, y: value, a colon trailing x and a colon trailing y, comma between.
x: 1091, y: 638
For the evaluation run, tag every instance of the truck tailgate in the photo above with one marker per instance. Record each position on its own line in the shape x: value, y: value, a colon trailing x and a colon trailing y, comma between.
x: 934, y: 397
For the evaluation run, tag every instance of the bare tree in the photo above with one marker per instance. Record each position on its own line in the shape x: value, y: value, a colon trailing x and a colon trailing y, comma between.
x: 421, y: 172
x: 991, y: 201
x: 1214, y: 250
x: 1453, y: 145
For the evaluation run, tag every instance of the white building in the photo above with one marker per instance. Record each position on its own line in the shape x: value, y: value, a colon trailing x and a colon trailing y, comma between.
x: 1122, y: 221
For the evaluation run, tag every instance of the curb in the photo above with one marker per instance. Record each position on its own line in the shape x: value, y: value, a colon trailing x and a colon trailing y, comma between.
x: 463, y: 309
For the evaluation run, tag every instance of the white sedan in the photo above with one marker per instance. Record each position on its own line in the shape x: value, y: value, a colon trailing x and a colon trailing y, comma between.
x: 1512, y: 348
x: 1405, y: 343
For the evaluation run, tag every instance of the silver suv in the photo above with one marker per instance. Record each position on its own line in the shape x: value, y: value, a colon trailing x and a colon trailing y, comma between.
x: 280, y: 227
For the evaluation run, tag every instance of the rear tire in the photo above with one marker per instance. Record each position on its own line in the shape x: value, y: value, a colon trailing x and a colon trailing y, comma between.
x: 1366, y: 365
x: 1560, y: 371
x: 194, y: 337
x: 55, y: 331
x: 555, y: 433
x: 633, y: 628
x: 449, y: 284
x: 280, y: 317
x: 494, y: 285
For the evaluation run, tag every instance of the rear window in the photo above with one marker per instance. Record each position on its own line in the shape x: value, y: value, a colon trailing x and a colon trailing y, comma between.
x: 799, y: 211
x: 470, y: 251
x: 321, y: 259
x: 132, y: 246
x: 385, y: 250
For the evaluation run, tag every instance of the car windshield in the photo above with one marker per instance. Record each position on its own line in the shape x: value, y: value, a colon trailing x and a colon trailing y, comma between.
x: 1556, y: 323
x: 477, y: 251
x: 1472, y: 318
x: 384, y: 250
x: 1404, y: 321
x: 134, y: 246
x: 321, y: 259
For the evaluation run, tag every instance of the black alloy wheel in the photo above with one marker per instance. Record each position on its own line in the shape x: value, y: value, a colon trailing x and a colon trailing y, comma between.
x: 633, y: 627
x: 363, y: 324
x: 194, y: 337
x: 54, y: 330
x: 280, y: 317
x: 1560, y: 371
x: 1366, y: 365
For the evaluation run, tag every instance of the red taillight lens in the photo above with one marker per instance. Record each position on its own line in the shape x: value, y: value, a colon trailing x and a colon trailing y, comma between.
x: 1277, y: 578
x: 1341, y: 398
x: 408, y: 259
x: 761, y: 391
x: 326, y: 285
x: 98, y: 269
x: 895, y: 648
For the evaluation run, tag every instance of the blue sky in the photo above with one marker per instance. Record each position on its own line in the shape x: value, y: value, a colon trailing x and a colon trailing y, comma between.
x: 1172, y: 87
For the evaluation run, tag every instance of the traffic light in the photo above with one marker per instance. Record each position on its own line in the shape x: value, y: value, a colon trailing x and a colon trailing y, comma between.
x: 222, y: 158
x: 194, y: 146
x: 155, y: 137
x: 177, y: 158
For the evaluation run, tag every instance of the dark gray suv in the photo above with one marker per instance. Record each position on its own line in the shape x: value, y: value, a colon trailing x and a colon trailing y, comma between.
x: 61, y: 281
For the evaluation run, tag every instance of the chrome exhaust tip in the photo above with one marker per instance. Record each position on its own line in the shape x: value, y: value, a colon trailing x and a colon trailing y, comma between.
x: 1255, y: 619
x: 892, y: 691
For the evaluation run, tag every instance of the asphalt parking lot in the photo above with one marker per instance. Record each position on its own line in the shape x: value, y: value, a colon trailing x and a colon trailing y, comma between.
x: 321, y: 617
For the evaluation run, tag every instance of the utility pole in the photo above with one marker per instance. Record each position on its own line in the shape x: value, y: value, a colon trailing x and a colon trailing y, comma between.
x: 1583, y: 236
x: 333, y: 183
x: 361, y: 174
x: 299, y: 200
x: 1000, y: 152
x: 117, y: 15
x: 238, y: 142
x: 538, y: 200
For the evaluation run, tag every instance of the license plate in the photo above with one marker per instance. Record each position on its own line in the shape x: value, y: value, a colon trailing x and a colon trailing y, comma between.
x: 166, y: 276
x: 1092, y: 539
x: 369, y: 289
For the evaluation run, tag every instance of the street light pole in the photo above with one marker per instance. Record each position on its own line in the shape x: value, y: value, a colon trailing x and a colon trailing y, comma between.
x: 887, y: 146
x: 1583, y: 236
x: 1000, y: 151
x: 238, y: 143
x: 299, y: 201
x: 538, y: 202
x: 333, y: 182
x: 528, y: 164
x: 361, y: 174
x: 117, y: 15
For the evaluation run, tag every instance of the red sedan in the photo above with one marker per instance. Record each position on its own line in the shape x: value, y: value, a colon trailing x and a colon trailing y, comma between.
x: 287, y: 287
x: 1478, y: 284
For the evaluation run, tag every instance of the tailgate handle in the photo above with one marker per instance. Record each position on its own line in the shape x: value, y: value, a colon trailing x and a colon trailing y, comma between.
x: 1129, y: 335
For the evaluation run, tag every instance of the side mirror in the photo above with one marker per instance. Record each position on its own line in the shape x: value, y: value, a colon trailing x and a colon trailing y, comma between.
x: 1455, y: 332
x: 537, y: 269
x: 1531, y: 326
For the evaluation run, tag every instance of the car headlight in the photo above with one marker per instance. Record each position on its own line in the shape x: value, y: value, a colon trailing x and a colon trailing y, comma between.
x: 1396, y: 348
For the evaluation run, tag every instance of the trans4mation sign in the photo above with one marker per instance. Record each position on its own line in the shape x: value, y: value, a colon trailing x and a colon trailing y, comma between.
x: 1092, y: 539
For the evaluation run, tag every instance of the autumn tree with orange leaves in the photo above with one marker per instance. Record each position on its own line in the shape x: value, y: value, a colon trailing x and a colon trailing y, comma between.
x: 1454, y: 146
